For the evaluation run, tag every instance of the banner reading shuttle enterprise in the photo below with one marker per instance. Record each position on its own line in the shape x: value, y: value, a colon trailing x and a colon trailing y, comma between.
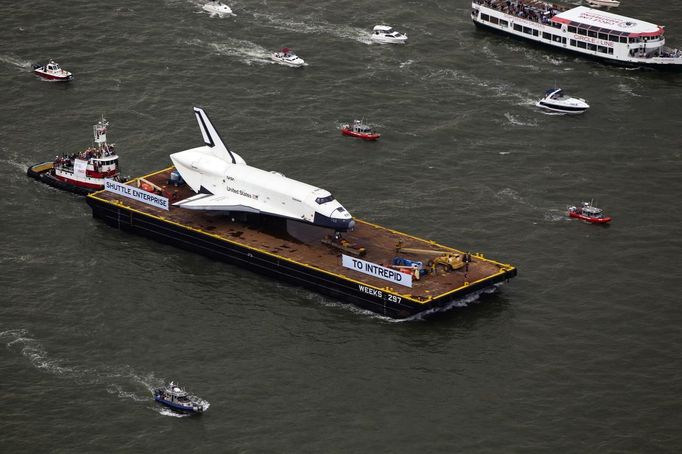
x: 379, y: 271
x: 136, y: 194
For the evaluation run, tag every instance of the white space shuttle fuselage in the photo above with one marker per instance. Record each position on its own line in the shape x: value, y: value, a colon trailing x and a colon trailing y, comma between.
x: 224, y: 182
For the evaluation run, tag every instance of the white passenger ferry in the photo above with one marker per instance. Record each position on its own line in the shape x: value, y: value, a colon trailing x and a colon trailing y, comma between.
x: 580, y: 29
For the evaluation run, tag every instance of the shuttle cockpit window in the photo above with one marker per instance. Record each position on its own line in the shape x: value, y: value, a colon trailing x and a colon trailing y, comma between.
x: 322, y: 200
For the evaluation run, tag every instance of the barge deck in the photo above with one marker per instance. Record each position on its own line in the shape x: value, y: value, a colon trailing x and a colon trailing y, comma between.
x: 266, y: 249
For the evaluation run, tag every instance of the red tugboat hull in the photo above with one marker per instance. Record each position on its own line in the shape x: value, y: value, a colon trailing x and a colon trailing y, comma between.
x: 52, y: 77
x: 591, y: 220
x: 359, y: 135
x: 43, y: 172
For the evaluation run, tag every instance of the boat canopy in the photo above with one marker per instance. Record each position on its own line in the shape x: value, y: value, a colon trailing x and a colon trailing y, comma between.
x: 383, y: 28
x: 608, y: 23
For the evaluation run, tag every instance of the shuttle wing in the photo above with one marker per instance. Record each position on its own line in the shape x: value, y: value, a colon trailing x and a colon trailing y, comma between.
x: 211, y: 202
x: 231, y: 203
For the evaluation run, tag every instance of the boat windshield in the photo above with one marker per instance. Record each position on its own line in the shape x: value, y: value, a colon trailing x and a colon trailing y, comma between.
x: 554, y: 93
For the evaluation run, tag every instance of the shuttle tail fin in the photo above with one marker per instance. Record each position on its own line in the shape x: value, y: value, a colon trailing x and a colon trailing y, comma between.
x: 212, y: 139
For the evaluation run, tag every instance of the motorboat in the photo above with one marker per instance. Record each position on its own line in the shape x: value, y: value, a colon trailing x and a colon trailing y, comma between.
x: 556, y: 101
x: 178, y: 399
x: 217, y: 8
x: 360, y: 130
x: 287, y: 57
x: 589, y: 213
x: 385, y: 34
x: 605, y: 3
x: 52, y: 72
x: 84, y: 172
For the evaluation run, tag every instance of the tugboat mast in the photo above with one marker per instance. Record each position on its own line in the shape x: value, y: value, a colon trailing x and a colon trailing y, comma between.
x: 100, y: 133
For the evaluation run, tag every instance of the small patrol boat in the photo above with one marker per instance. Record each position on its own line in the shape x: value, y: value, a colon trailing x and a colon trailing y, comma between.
x: 287, y: 57
x: 178, y: 399
x: 360, y: 130
x: 606, y: 3
x: 217, y: 8
x: 81, y: 173
x: 556, y: 101
x: 52, y: 71
x: 589, y: 213
x: 385, y: 34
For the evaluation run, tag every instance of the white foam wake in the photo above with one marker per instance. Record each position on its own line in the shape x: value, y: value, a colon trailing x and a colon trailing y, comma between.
x: 317, y: 27
x: 15, y: 61
x: 121, y: 381
x: 246, y: 51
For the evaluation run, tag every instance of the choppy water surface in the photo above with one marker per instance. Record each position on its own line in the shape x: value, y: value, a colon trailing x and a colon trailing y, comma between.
x: 580, y: 353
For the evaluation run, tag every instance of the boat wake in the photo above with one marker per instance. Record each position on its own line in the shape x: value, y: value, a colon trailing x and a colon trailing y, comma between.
x: 122, y: 381
x: 19, y: 166
x: 511, y: 194
x: 246, y: 51
x: 15, y: 61
x: 623, y: 88
x: 315, y: 27
x: 556, y: 216
x: 514, y: 120
x: 163, y: 411
x: 473, y: 297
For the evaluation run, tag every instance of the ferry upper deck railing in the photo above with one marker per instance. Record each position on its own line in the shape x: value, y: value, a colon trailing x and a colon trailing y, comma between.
x: 533, y: 10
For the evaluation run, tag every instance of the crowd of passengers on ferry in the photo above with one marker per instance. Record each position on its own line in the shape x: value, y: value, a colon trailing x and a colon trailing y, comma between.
x: 536, y: 12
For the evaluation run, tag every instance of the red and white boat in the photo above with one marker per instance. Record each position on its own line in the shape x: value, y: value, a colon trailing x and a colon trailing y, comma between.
x: 81, y: 173
x: 589, y: 213
x: 360, y: 130
x: 52, y: 71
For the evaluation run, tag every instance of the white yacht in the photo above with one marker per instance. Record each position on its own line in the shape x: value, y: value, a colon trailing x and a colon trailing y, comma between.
x: 586, y: 31
x: 556, y: 101
x: 387, y: 35
x: 217, y: 8
x: 287, y: 57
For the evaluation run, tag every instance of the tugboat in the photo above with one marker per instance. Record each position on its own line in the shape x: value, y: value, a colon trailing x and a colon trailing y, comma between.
x: 53, y: 72
x: 287, y: 57
x: 385, y: 34
x: 178, y: 399
x: 217, y: 8
x: 556, y: 101
x: 81, y: 173
x: 360, y: 130
x: 589, y: 213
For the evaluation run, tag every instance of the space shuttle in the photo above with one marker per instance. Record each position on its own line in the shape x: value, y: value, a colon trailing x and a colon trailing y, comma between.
x: 225, y: 183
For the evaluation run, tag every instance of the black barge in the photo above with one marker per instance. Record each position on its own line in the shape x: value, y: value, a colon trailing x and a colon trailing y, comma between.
x: 260, y: 247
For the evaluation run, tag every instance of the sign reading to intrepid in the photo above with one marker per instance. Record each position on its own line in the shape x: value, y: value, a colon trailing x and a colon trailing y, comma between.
x: 136, y: 194
x: 379, y: 271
